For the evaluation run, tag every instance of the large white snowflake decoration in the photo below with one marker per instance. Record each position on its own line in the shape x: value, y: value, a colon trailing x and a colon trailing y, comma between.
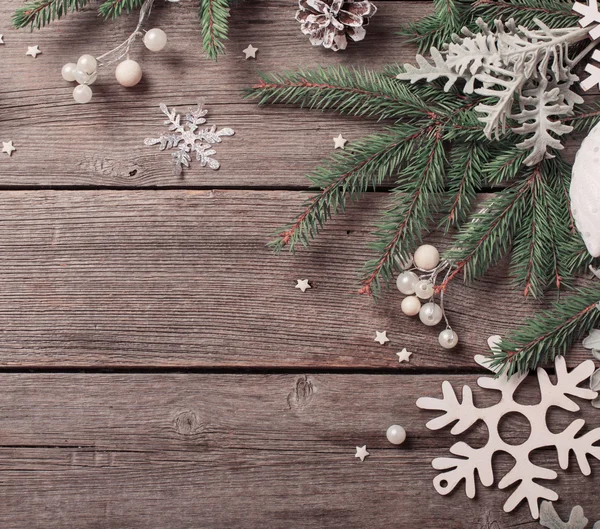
x: 590, y: 19
x: 188, y: 137
x: 479, y: 460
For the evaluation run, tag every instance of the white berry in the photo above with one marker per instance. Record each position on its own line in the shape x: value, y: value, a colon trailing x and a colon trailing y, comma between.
x: 430, y: 314
x: 426, y: 257
x: 155, y: 39
x: 87, y: 64
x: 448, y: 339
x: 411, y: 305
x: 68, y: 72
x: 396, y: 434
x: 85, y: 78
x: 406, y: 282
x: 82, y: 94
x: 128, y: 73
x: 424, y: 289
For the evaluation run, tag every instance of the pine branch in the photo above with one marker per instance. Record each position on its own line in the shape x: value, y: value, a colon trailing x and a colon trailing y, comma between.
x: 550, y: 333
x: 39, y: 13
x: 214, y: 15
x: 344, y: 179
x: 415, y: 198
x: 114, y: 8
x: 354, y: 92
x: 555, y: 13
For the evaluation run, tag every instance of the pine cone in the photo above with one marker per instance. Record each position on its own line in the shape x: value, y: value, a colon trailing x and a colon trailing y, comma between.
x: 327, y: 22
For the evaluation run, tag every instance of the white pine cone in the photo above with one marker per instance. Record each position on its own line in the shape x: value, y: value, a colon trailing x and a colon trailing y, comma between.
x: 329, y: 22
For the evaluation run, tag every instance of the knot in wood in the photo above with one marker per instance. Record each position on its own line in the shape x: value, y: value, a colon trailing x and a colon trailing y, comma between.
x: 187, y: 423
x: 302, y: 393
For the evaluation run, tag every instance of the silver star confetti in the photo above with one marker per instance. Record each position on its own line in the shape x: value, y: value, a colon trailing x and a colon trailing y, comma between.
x: 188, y: 137
x: 404, y: 355
x: 250, y: 52
x: 8, y: 147
x: 361, y: 452
x: 33, y: 51
x: 381, y: 337
x: 1, y: 38
x: 302, y: 284
x: 340, y: 142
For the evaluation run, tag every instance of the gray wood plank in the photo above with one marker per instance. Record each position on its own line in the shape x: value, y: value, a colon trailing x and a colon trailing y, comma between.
x: 184, y: 279
x: 247, y: 451
x: 61, y: 143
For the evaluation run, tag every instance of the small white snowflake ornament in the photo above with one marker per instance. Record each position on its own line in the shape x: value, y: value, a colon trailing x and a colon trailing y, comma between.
x: 188, y: 137
x: 472, y: 461
x: 585, y: 191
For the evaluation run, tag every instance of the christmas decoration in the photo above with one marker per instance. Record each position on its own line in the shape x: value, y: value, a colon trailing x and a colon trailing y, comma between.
x: 361, y: 452
x: 33, y: 51
x: 2, y: 39
x: 8, y: 147
x: 330, y: 22
x: 472, y: 461
x: 213, y: 15
x: 404, y: 355
x: 187, y: 138
x: 439, y: 154
x: 340, y: 142
x: 381, y: 337
x: 396, y: 434
x: 550, y: 519
x: 585, y: 191
x: 593, y: 342
x: 250, y: 52
x: 590, y: 20
x: 302, y: 284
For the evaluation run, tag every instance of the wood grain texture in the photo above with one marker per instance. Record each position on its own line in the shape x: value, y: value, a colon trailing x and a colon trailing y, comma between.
x: 184, y: 278
x: 222, y: 451
x: 101, y: 144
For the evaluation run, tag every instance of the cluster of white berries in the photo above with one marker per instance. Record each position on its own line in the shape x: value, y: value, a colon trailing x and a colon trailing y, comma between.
x: 128, y: 72
x: 421, y: 288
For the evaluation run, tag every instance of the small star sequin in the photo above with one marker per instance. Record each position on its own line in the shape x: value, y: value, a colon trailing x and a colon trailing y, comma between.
x: 250, y: 52
x: 340, y: 142
x: 381, y: 337
x: 404, y: 355
x: 1, y: 38
x: 302, y: 284
x: 361, y: 452
x: 8, y: 147
x: 33, y: 51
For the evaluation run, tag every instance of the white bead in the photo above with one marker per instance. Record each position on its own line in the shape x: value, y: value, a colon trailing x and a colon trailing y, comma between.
x: 411, y: 305
x: 85, y: 78
x: 396, y: 434
x: 87, y: 64
x: 430, y: 314
x: 426, y: 257
x: 406, y: 282
x: 448, y: 339
x: 128, y: 73
x: 424, y: 289
x: 82, y: 94
x: 155, y: 39
x: 68, y: 72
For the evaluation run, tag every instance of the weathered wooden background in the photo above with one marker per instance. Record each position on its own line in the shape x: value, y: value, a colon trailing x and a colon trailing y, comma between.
x: 158, y: 370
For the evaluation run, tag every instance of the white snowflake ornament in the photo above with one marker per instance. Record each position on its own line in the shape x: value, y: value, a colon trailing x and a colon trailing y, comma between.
x: 590, y: 19
x: 188, y: 137
x: 473, y: 461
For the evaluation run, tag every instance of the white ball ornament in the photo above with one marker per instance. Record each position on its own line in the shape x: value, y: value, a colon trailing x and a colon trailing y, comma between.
x: 396, y: 434
x: 155, y: 39
x: 448, y: 339
x: 424, y: 289
x: 82, y: 94
x: 85, y: 78
x: 426, y: 257
x: 411, y: 305
x: 430, y: 314
x: 406, y: 282
x: 68, y: 72
x: 128, y: 73
x: 87, y: 64
x: 585, y: 191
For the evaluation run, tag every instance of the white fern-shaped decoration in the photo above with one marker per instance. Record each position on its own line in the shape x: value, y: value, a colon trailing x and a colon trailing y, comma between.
x: 525, y: 76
